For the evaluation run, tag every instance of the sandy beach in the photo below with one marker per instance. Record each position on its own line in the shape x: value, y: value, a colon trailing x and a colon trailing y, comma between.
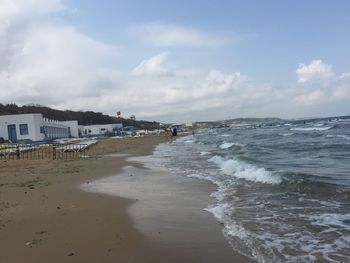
x: 45, y: 216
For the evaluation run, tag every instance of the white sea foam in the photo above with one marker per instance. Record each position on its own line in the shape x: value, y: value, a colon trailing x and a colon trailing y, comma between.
x: 197, y: 176
x: 204, y: 153
x: 287, y: 134
x: 236, y: 230
x: 216, y: 159
x: 311, y: 129
x: 219, y: 211
x: 227, y: 145
x: 249, y: 172
x: 332, y: 220
x: 245, y: 171
x: 223, y: 213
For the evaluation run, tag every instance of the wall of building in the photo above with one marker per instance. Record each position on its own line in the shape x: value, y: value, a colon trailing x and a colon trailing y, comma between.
x: 73, y: 126
x: 33, y: 122
x: 39, y: 128
x: 54, y: 129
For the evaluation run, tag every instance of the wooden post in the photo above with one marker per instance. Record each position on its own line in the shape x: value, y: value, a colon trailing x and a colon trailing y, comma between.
x: 53, y: 152
x: 18, y: 152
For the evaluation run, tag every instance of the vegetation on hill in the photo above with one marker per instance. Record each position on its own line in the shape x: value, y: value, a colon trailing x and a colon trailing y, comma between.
x: 83, y: 117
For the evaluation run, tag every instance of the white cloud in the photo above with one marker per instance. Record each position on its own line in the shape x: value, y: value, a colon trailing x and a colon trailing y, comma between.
x: 25, y: 8
x: 315, y: 71
x: 46, y: 62
x: 153, y: 66
x: 319, y: 85
x: 164, y: 35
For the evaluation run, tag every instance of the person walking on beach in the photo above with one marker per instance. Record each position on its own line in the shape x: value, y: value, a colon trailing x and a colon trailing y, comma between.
x: 168, y: 133
x: 174, y: 131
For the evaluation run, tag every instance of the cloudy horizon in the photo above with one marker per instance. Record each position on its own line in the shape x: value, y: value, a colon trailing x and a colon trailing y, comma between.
x: 170, y: 63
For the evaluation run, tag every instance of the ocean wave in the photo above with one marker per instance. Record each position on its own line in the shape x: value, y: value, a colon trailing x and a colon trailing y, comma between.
x: 227, y: 145
x: 225, y: 135
x: 216, y: 159
x: 222, y: 213
x: 219, y: 211
x: 311, y: 129
x: 287, y: 134
x: 320, y: 124
x: 343, y: 136
x: 204, y: 153
x: 310, y: 184
x: 245, y: 171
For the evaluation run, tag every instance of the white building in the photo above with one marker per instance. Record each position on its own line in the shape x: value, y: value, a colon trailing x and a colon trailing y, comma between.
x: 99, y: 129
x: 33, y: 127
x: 73, y: 128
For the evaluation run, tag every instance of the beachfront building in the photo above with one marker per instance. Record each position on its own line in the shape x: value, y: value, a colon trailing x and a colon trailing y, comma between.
x: 100, y: 129
x: 34, y: 127
x: 73, y: 128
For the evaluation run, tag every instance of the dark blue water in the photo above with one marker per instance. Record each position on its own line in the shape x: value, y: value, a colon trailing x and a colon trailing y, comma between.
x: 283, y: 189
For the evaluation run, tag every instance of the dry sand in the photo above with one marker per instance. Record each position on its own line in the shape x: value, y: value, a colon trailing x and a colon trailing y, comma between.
x: 45, y: 217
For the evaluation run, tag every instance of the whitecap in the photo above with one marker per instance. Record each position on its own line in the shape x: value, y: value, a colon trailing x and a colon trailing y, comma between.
x: 204, y: 153
x: 311, y: 129
x: 216, y: 159
x: 227, y: 145
x: 319, y: 124
x: 245, y: 171
x: 249, y: 172
x: 287, y: 134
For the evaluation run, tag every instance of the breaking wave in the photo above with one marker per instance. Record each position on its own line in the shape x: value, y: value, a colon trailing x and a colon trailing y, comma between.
x: 227, y: 145
x: 245, y: 171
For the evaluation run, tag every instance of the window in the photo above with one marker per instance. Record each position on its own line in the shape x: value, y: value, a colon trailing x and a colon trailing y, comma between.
x: 23, y: 129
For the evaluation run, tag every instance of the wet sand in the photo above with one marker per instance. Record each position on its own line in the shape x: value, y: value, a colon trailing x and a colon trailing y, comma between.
x: 46, y: 217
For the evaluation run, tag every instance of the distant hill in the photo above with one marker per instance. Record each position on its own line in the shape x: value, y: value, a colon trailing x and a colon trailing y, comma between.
x: 83, y: 117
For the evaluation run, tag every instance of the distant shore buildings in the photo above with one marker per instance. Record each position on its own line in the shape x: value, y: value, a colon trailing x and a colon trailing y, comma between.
x: 99, y: 129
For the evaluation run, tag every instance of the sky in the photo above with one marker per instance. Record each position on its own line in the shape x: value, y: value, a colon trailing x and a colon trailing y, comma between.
x: 178, y: 61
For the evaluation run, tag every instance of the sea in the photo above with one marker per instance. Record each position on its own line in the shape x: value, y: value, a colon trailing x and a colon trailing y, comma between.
x: 283, y: 189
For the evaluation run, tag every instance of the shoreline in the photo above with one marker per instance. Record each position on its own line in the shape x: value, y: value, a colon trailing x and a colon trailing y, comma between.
x: 57, y: 222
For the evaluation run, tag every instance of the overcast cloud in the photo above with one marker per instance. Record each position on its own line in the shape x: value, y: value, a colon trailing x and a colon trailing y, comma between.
x: 46, y: 61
